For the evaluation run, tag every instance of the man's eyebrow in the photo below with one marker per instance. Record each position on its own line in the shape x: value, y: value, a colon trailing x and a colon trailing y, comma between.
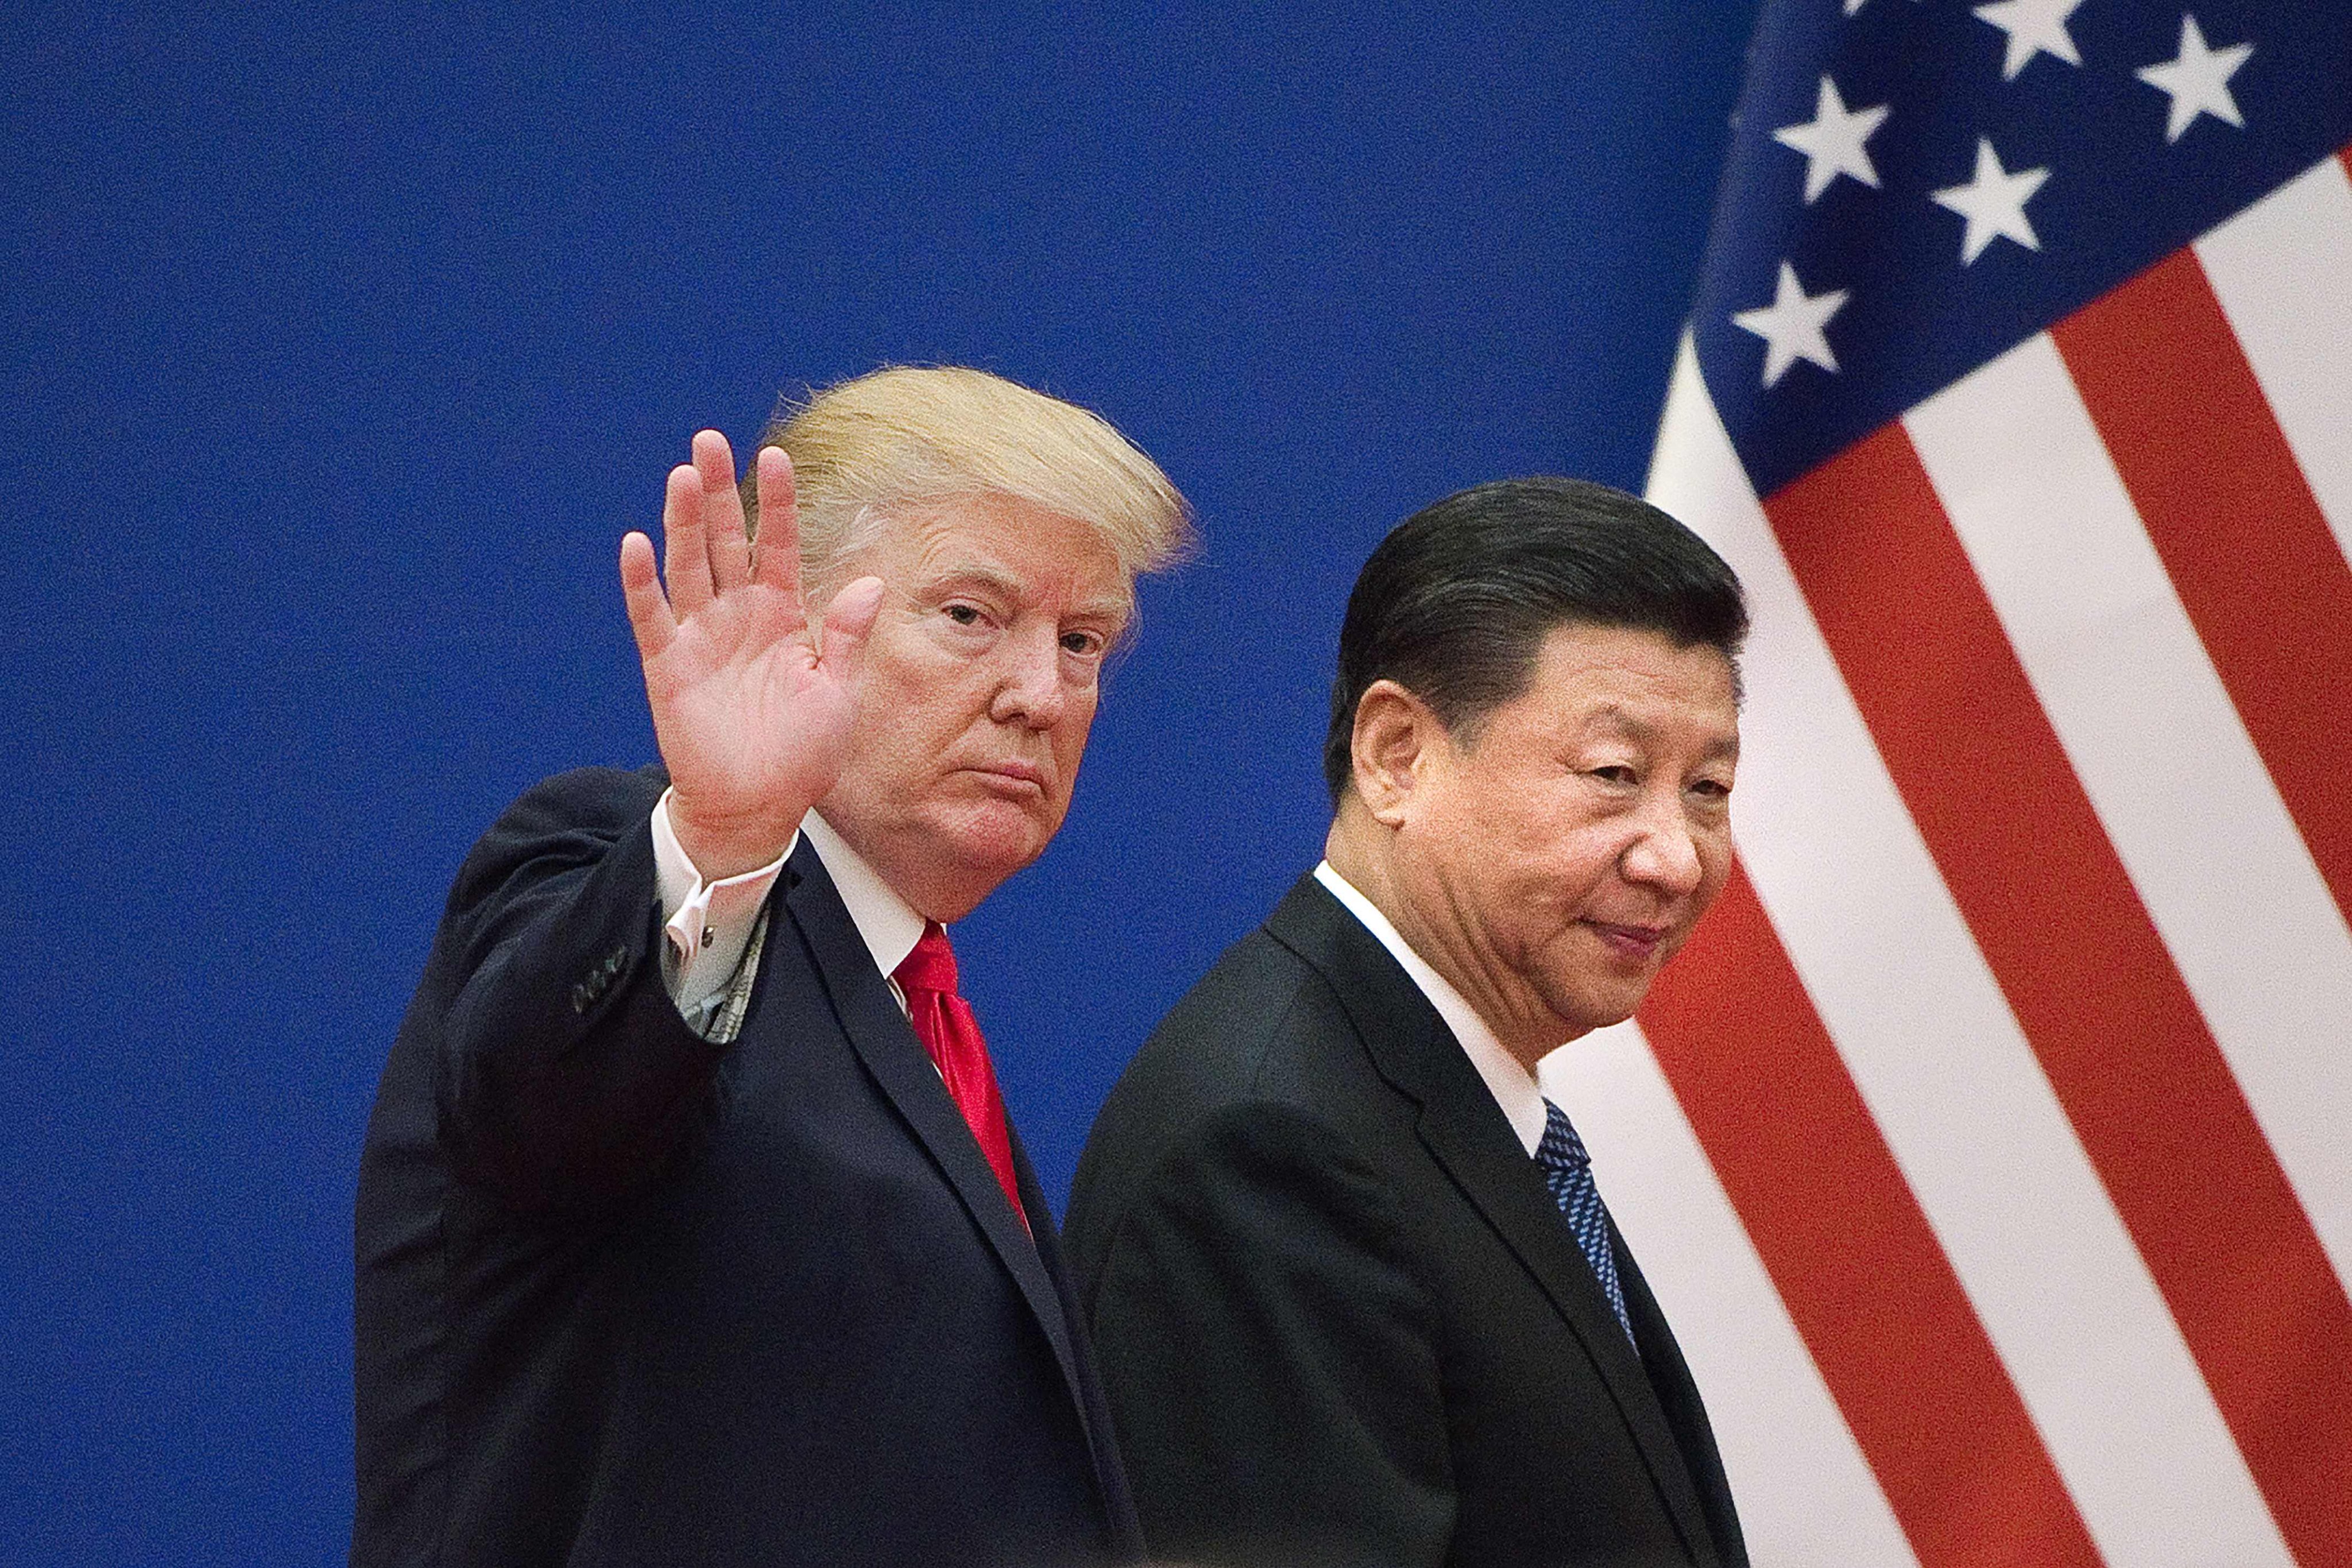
x: 975, y: 575
x: 972, y: 574
x: 1642, y: 730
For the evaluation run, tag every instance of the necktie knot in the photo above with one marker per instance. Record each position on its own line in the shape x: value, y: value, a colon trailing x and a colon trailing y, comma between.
x: 951, y: 1035
x: 931, y: 967
x: 1561, y: 1150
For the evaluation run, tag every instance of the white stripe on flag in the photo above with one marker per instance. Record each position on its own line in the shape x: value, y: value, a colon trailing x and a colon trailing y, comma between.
x: 2283, y: 271
x: 1805, y: 1495
x: 1939, y: 1059
x: 2160, y: 750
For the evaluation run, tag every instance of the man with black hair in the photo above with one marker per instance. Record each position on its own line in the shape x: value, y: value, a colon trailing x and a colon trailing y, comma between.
x: 1356, y: 1294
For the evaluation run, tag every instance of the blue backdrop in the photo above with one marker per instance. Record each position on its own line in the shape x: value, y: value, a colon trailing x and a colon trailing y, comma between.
x: 344, y: 342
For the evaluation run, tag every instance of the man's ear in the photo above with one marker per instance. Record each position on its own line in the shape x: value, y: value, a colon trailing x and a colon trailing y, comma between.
x: 1395, y: 732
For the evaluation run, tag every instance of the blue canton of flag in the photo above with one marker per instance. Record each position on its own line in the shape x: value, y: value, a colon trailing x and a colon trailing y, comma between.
x: 1975, y: 173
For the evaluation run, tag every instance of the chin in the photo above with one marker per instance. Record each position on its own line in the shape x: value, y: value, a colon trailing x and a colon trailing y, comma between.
x: 997, y: 837
x: 1585, y: 1011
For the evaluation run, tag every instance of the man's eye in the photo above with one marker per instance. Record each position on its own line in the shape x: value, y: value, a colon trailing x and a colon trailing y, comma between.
x: 1713, y: 789
x: 963, y: 614
x: 1081, y: 642
x: 1615, y: 773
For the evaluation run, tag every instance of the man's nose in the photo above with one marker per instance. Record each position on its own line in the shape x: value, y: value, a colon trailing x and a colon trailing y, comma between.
x: 1029, y: 686
x: 1665, y: 851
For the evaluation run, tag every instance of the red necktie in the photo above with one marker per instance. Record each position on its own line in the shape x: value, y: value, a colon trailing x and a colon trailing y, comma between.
x: 943, y: 1022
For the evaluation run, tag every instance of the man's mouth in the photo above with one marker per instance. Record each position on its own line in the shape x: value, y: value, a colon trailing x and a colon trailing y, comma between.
x: 1629, y: 941
x: 1011, y: 776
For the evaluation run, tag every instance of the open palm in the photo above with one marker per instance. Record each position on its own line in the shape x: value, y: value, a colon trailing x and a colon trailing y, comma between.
x: 752, y: 705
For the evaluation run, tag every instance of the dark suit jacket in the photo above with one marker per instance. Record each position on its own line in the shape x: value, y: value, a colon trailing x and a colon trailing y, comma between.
x: 628, y: 1297
x: 1338, y: 1316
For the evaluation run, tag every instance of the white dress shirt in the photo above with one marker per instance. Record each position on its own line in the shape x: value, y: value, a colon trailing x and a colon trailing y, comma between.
x: 717, y: 928
x: 1512, y: 1085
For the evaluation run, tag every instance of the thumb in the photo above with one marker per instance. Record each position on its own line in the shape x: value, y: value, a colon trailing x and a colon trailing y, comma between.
x: 848, y: 620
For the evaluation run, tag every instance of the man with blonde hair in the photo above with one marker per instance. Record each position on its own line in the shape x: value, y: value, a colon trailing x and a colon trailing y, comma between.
x: 690, y: 1226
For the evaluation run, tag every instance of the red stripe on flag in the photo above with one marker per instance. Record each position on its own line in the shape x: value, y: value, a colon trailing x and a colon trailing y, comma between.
x: 2240, y: 534
x: 2086, y: 975
x: 1868, y: 1287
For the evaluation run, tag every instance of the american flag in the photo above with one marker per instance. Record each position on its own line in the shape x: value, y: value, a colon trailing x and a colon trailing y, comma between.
x: 1990, y: 1145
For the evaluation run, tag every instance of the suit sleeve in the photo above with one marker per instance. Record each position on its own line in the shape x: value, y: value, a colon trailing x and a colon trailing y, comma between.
x: 1268, y: 1353
x: 564, y: 1073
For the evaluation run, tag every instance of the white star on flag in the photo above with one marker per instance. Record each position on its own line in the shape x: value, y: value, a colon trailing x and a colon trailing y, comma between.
x: 1832, y: 142
x: 2034, y: 26
x: 2198, y: 80
x: 1791, y: 326
x: 1994, y: 204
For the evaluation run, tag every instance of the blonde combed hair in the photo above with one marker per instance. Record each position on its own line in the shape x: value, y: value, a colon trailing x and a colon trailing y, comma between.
x: 870, y: 450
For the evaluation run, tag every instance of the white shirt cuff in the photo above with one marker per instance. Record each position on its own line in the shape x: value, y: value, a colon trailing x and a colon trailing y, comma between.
x: 709, y: 923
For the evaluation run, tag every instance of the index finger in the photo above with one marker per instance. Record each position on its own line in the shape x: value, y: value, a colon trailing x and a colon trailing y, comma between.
x: 776, y: 554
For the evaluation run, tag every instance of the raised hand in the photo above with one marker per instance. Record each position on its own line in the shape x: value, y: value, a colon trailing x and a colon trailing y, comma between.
x: 752, y: 705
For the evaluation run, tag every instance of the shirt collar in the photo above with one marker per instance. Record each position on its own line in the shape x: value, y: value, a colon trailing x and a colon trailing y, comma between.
x: 1512, y: 1085
x: 888, y: 922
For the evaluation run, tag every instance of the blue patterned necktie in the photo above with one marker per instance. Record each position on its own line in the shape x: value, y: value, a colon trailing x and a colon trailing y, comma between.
x: 1568, y: 1171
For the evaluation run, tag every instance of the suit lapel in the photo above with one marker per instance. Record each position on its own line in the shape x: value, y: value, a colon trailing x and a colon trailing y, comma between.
x: 1502, y: 1183
x: 885, y: 1042
x: 1685, y: 1412
x: 1467, y: 1133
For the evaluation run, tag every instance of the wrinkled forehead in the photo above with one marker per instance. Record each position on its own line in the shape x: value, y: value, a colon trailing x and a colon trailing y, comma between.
x: 1638, y: 684
x: 1011, y: 545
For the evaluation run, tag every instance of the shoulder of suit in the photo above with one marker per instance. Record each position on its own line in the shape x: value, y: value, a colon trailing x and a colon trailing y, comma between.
x: 584, y: 797
x: 573, y: 815
x: 1260, y: 1038
x: 1253, y: 1024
